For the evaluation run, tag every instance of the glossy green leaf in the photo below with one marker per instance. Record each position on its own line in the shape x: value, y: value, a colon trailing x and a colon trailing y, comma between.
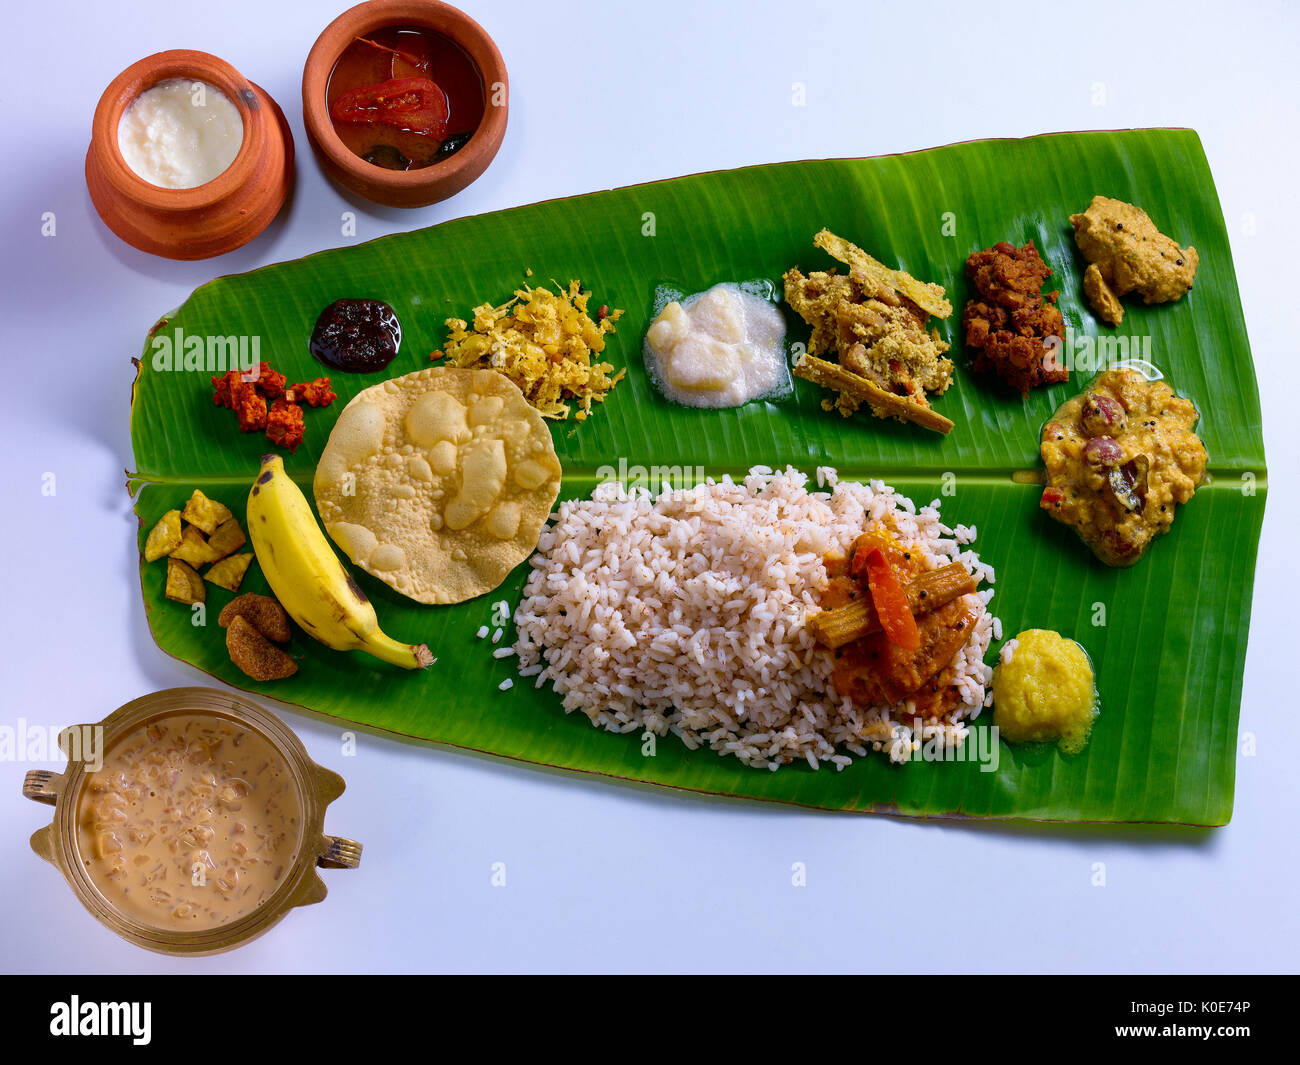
x: 1171, y: 642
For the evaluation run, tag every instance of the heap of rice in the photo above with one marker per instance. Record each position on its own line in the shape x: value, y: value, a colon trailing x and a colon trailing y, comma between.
x: 684, y: 613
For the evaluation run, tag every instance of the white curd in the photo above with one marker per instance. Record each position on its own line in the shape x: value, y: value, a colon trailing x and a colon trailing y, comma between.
x: 181, y: 133
x: 719, y: 348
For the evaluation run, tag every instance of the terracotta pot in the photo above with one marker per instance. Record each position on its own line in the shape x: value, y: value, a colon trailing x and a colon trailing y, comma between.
x: 219, y: 216
x: 404, y: 188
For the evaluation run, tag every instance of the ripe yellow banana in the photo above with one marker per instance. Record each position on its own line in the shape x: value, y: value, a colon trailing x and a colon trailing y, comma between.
x: 308, y: 578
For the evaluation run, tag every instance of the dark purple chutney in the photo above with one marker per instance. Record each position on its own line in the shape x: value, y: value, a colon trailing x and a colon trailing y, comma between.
x: 356, y: 336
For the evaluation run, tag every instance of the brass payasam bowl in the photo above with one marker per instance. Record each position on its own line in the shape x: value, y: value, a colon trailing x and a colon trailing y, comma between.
x: 301, y: 885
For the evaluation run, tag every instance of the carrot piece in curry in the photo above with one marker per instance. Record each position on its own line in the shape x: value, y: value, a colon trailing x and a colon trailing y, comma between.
x: 890, y: 601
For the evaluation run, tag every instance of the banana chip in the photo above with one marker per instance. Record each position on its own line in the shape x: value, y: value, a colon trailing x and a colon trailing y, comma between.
x: 194, y: 549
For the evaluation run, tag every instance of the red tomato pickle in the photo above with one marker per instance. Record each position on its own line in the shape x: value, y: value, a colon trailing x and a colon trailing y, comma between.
x: 405, y: 98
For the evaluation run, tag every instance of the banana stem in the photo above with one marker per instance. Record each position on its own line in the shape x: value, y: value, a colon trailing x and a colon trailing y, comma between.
x: 406, y: 655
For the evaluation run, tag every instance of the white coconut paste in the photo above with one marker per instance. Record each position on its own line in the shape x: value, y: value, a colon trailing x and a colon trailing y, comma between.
x: 181, y: 133
x: 718, y: 348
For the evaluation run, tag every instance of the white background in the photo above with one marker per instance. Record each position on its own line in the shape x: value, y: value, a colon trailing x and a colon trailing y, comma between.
x: 600, y: 875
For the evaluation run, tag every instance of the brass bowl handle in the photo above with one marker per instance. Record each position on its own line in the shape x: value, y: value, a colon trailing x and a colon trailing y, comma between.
x: 340, y: 853
x: 38, y: 786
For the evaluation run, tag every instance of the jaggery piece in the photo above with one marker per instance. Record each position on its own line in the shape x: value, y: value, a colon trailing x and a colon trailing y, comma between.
x: 255, y: 654
x: 261, y: 611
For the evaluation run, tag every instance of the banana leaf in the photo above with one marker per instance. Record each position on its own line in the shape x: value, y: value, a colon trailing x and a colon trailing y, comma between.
x: 1167, y: 637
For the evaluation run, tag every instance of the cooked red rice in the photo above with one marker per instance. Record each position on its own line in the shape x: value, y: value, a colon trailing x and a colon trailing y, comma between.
x: 684, y: 613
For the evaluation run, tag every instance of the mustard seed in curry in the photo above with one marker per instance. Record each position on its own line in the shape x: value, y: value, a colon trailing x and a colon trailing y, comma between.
x: 1121, y: 457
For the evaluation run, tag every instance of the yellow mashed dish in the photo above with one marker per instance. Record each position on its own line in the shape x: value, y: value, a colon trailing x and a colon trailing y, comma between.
x: 1045, y: 691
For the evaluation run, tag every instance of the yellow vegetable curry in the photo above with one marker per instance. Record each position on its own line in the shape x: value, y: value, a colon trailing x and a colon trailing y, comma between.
x: 1121, y: 457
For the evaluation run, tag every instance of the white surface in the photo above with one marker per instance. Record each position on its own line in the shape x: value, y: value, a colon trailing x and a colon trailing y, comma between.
x: 603, y: 876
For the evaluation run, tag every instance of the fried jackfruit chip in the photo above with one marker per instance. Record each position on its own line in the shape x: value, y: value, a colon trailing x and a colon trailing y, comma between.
x: 194, y: 548
x: 205, y: 513
x: 164, y: 537
x: 184, y: 585
x: 228, y: 538
x: 229, y: 572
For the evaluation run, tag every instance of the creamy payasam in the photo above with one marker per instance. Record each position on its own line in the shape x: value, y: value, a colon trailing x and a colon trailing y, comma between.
x: 192, y: 822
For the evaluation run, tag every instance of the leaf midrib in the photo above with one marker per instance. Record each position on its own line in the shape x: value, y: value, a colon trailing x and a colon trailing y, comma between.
x: 1226, y: 478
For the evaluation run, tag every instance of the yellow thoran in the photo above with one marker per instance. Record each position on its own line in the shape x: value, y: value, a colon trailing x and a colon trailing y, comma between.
x: 544, y: 343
